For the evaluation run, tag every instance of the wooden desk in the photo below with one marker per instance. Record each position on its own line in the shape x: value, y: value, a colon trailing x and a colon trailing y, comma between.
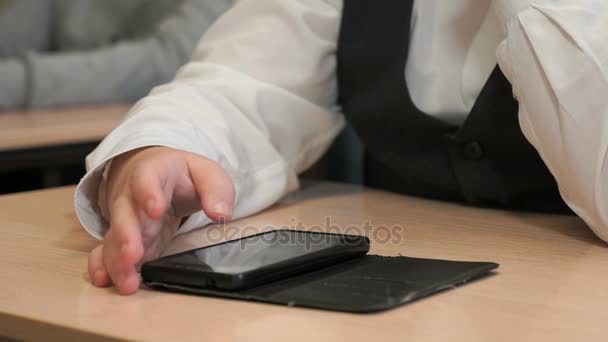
x: 54, y: 138
x: 552, y: 284
x: 25, y: 130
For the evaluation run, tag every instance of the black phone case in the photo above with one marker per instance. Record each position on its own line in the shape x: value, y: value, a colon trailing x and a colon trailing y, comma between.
x: 164, y: 271
x: 364, y: 285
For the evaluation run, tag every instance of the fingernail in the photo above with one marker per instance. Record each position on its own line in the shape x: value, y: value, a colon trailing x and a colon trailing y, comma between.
x: 222, y: 209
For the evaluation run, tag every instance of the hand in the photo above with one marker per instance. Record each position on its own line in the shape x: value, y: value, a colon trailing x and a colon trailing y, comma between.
x: 149, y: 191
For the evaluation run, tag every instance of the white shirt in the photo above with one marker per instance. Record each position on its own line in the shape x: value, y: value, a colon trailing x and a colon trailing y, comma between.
x: 259, y: 96
x: 451, y: 55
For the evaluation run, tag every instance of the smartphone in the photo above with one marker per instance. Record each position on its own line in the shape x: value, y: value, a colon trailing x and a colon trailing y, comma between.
x: 255, y: 260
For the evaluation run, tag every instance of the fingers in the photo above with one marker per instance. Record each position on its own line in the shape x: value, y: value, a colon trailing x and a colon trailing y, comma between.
x: 97, y: 271
x: 123, y: 248
x: 148, y: 192
x: 144, y: 186
x: 214, y: 187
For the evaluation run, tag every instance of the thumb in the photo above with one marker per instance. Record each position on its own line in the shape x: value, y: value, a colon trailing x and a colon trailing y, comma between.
x: 213, y: 186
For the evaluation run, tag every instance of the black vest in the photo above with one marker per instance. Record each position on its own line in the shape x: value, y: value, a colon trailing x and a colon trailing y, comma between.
x: 486, y: 162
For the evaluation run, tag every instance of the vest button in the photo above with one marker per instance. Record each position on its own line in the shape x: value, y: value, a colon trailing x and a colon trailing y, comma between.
x: 473, y: 150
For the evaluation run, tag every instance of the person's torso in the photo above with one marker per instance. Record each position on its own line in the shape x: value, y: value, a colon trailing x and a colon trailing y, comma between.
x: 479, y: 155
x: 452, y: 53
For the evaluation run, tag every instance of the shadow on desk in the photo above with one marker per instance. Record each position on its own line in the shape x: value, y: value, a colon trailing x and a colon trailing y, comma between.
x: 569, y: 226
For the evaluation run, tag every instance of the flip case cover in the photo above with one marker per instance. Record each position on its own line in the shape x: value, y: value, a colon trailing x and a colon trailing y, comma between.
x: 364, y: 285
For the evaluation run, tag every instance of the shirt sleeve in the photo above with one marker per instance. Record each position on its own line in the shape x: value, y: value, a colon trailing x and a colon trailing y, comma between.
x: 124, y: 71
x: 555, y: 56
x: 259, y: 97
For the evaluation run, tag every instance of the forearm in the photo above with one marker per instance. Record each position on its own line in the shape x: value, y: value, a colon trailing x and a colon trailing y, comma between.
x: 555, y: 57
x: 263, y: 109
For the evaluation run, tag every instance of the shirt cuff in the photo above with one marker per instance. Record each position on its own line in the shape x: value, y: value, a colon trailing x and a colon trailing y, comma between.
x: 87, y: 195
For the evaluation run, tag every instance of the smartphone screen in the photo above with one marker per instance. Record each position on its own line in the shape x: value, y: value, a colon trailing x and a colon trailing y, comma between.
x: 256, y: 259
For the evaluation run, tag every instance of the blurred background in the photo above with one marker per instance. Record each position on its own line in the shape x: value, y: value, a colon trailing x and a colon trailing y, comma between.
x: 70, y: 69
